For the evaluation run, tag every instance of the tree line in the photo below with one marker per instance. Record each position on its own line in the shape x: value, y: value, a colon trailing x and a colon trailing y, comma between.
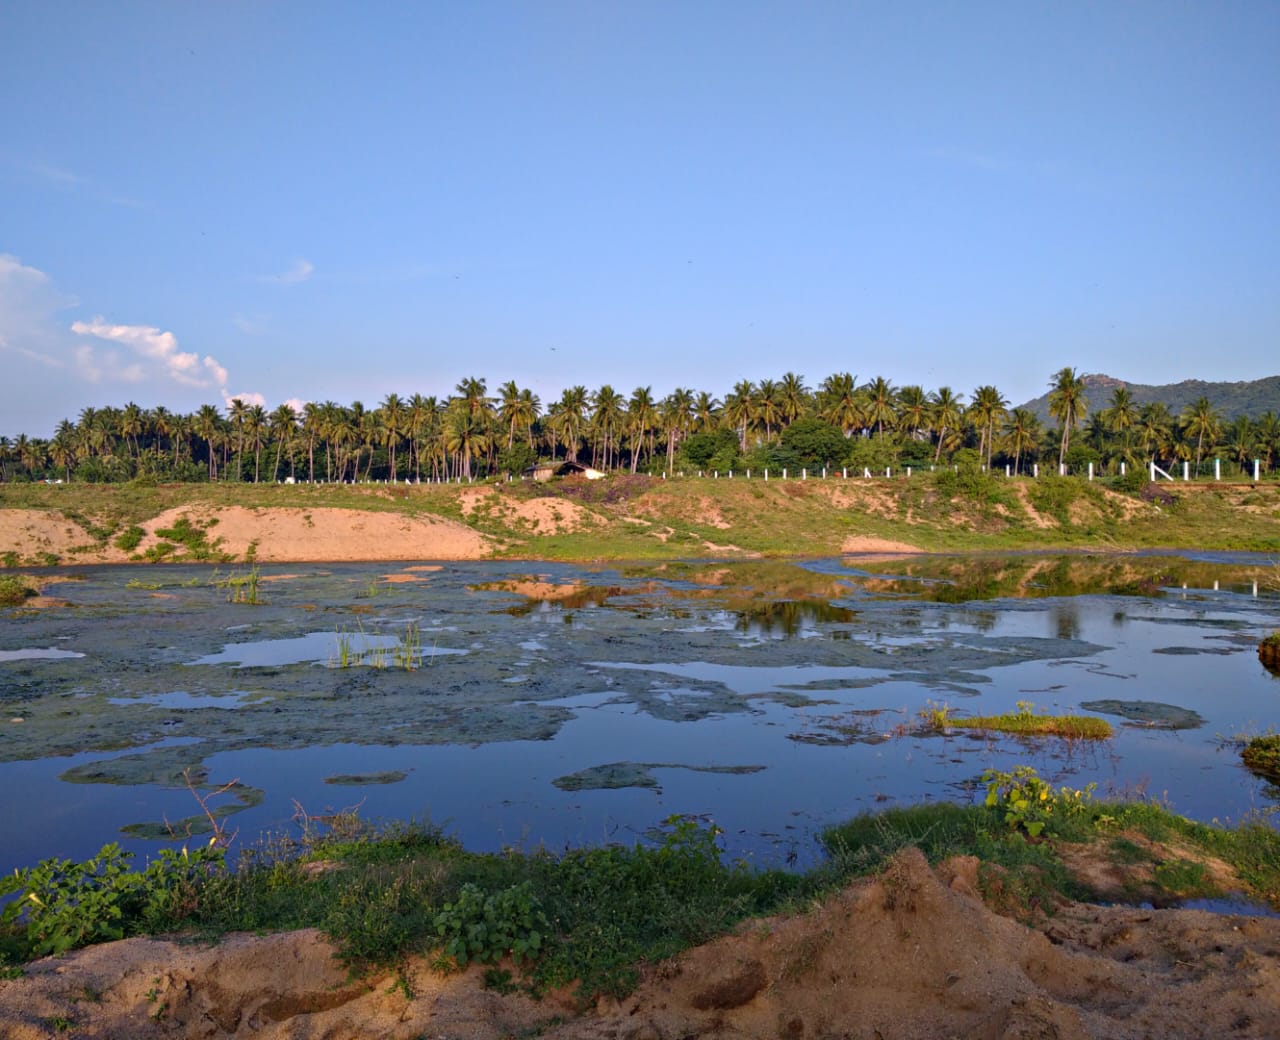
x: 771, y: 424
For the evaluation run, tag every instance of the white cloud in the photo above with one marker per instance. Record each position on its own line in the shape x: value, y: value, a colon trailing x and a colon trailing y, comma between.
x: 182, y: 367
x: 254, y: 326
x: 216, y: 370
x: 68, y: 180
x: 35, y: 338
x: 298, y: 273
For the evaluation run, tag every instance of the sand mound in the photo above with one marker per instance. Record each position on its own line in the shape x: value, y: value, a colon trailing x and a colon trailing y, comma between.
x: 295, y: 535
x: 29, y: 532
x: 543, y: 516
x: 866, y: 545
x: 277, y: 535
x: 914, y: 954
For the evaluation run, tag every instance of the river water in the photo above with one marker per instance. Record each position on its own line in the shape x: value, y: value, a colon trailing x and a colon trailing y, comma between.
x: 524, y: 703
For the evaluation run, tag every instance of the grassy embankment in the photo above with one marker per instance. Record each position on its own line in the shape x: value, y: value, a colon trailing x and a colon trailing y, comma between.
x: 624, y: 517
x: 592, y: 917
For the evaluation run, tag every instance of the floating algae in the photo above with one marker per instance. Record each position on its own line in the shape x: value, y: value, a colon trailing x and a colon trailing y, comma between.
x: 616, y: 775
x: 191, y: 826
x: 661, y: 663
x: 1148, y: 714
x: 390, y: 776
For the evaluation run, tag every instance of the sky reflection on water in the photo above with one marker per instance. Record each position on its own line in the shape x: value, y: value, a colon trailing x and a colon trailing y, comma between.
x: 531, y: 672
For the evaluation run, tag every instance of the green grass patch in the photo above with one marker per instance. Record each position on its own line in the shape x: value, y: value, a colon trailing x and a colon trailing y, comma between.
x: 1024, y: 722
x: 130, y: 538
x: 1262, y: 756
x: 16, y: 589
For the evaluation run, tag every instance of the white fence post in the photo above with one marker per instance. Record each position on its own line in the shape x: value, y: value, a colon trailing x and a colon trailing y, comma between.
x: 1255, y: 470
x: 1217, y: 469
x: 1186, y: 471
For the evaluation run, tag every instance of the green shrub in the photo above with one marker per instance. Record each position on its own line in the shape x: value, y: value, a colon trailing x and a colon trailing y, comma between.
x: 63, y: 904
x: 130, y: 538
x: 14, y: 589
x: 1262, y: 756
x: 486, y: 928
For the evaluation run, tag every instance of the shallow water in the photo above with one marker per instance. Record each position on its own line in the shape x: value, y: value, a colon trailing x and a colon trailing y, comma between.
x: 774, y: 698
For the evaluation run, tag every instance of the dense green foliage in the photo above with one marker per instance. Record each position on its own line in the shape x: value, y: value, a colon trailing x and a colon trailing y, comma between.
x: 770, y: 424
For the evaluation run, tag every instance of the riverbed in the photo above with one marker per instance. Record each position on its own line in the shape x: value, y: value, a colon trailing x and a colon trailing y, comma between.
x: 528, y: 703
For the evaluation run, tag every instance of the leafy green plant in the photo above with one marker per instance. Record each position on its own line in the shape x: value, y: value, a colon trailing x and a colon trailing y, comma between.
x: 64, y: 904
x: 1029, y: 803
x: 485, y: 928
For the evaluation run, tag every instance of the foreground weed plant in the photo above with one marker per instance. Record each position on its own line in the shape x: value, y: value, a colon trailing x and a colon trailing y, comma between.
x: 63, y: 904
x: 1030, y: 803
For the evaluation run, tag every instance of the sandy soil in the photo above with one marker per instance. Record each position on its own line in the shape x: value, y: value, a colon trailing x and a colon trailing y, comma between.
x: 865, y: 545
x: 536, y: 516
x: 277, y: 535
x: 914, y: 954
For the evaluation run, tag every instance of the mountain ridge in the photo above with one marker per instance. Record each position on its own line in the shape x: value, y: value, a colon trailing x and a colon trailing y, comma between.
x: 1249, y: 397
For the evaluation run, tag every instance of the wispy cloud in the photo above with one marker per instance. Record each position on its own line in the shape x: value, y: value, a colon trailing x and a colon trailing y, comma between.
x: 69, y: 180
x: 296, y: 275
x: 250, y: 326
x: 55, y: 174
x: 161, y: 349
x: 29, y: 303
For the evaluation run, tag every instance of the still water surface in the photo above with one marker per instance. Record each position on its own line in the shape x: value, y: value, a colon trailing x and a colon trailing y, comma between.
x: 526, y: 703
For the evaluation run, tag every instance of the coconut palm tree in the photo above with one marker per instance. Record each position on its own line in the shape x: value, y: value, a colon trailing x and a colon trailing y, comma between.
x: 466, y: 430
x: 1022, y: 434
x: 283, y: 424
x: 1267, y: 437
x: 607, y: 417
x: 1241, y: 441
x: 253, y: 433
x: 767, y: 407
x: 913, y: 410
x: 987, y: 408
x: 132, y: 421
x: 838, y: 402
x: 394, y: 418
x: 881, y: 402
x: 509, y: 409
x: 676, y: 415
x: 793, y: 398
x: 706, y: 412
x: 1154, y: 428
x: 1200, y: 420
x: 739, y: 410
x: 208, y: 427
x: 946, y: 414
x: 1068, y: 404
x: 641, y: 417
x: 568, y: 418
x: 62, y: 449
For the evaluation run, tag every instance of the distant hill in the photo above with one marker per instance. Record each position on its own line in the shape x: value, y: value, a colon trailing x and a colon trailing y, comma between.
x: 1250, y: 398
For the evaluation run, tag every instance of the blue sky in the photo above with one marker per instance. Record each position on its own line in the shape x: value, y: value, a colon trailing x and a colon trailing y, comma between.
x: 311, y: 201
